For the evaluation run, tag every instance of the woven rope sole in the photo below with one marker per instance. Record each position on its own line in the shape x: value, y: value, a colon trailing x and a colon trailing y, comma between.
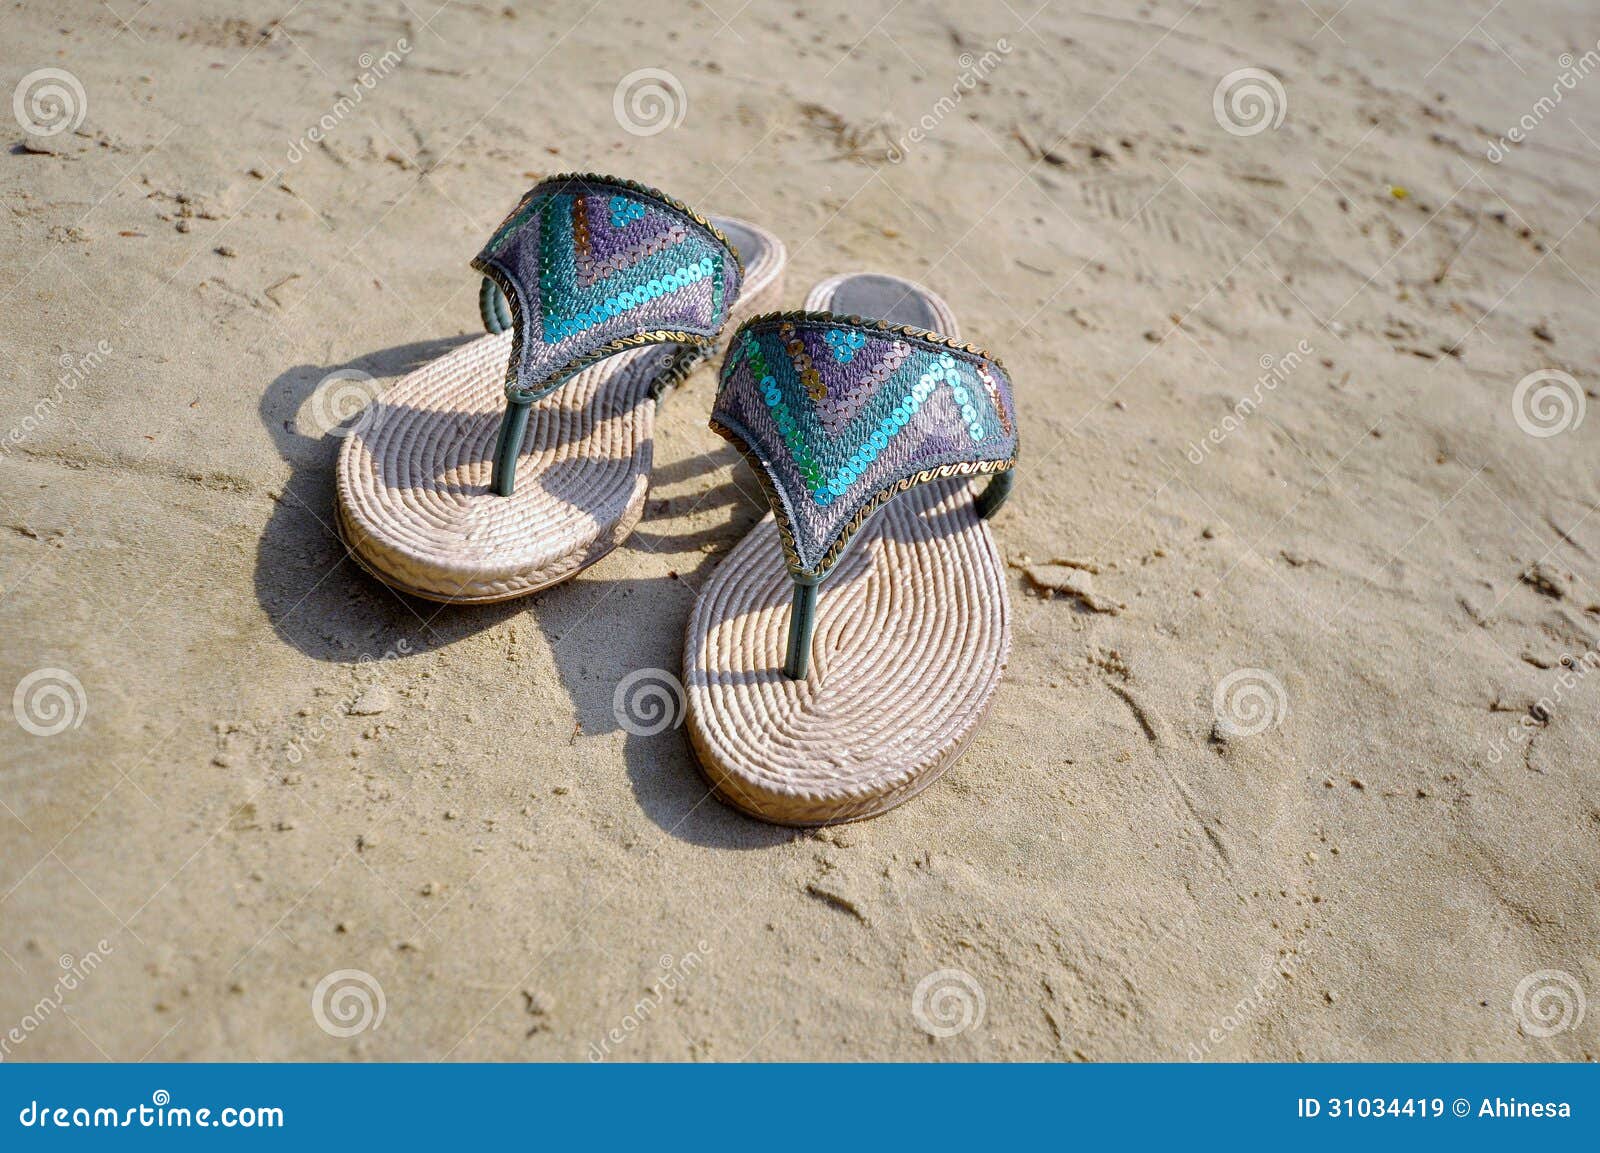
x: 412, y: 485
x: 913, y: 631
x: 912, y: 636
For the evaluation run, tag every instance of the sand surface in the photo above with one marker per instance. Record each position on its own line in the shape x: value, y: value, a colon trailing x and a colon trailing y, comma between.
x: 1381, y: 845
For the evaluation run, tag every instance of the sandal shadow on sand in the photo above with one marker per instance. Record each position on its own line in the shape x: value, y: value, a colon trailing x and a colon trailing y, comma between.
x: 514, y: 462
x: 866, y: 434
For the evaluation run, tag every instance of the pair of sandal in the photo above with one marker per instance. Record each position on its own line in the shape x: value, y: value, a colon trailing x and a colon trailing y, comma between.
x: 520, y: 459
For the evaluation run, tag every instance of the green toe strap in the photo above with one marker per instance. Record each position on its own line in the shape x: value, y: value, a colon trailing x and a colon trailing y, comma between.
x: 995, y: 492
x: 802, y: 624
x: 493, y: 308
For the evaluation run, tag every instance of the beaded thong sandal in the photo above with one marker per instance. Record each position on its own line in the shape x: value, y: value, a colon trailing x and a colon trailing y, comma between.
x: 515, y: 461
x: 808, y: 713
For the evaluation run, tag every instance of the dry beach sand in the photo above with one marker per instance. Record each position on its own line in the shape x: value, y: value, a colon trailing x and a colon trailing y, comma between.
x: 1285, y: 765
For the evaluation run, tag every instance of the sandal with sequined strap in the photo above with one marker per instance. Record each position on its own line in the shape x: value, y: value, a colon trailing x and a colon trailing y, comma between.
x: 517, y: 460
x: 866, y: 436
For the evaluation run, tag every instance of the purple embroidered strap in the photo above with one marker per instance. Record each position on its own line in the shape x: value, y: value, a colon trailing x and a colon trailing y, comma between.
x: 843, y: 413
x: 593, y: 265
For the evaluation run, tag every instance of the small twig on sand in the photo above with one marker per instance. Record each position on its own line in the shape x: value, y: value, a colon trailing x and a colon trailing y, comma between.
x: 1455, y: 252
x: 1033, y: 149
x: 271, y: 291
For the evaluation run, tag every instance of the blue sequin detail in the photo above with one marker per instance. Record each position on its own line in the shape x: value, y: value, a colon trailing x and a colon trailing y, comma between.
x: 944, y: 371
x: 844, y: 344
x: 559, y: 328
x: 624, y: 211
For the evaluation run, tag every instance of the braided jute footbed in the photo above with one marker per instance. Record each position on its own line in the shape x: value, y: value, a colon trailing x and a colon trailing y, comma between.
x: 912, y: 636
x: 413, y: 500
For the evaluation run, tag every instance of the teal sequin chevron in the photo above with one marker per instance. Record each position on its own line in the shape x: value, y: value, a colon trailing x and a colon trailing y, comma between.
x: 593, y: 265
x: 840, y: 414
